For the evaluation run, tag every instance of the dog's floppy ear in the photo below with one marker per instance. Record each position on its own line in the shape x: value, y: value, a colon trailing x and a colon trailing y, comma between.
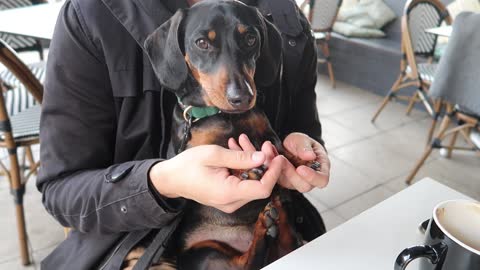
x: 163, y: 49
x: 268, y: 64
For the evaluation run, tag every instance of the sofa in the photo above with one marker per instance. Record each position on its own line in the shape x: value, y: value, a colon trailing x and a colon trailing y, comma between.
x: 370, y: 64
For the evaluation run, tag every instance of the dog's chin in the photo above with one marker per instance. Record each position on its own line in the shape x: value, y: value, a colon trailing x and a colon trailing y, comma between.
x: 235, y: 111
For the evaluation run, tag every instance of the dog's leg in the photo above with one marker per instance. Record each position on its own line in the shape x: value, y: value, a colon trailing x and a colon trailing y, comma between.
x: 288, y: 239
x: 265, y: 236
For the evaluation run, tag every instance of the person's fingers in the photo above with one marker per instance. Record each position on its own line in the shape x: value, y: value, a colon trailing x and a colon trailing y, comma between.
x: 291, y: 179
x: 233, y: 145
x: 261, y: 189
x: 300, y: 145
x: 314, y: 178
x: 269, y: 150
x: 213, y: 155
x: 245, y: 143
x: 232, y: 207
x: 275, y: 150
x: 322, y: 157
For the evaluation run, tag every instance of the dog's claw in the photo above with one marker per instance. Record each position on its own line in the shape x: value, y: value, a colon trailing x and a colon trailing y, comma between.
x: 268, y: 221
x: 273, y: 213
x: 253, y: 174
x: 272, y: 231
x: 315, y: 165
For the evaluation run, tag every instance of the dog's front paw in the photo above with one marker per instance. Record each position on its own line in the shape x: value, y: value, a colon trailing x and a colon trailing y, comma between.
x: 252, y: 174
x: 297, y: 162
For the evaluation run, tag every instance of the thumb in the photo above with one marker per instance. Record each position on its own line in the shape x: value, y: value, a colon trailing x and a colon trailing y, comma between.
x: 234, y: 159
x: 300, y: 147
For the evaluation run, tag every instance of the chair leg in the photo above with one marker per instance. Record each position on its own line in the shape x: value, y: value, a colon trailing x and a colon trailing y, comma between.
x: 330, y: 74
x: 437, y: 109
x: 388, y: 97
x: 418, y: 165
x: 428, y: 151
x: 22, y: 233
x: 452, y: 144
x: 40, y: 50
x: 413, y: 100
x: 18, y: 190
x: 29, y: 156
x: 425, y: 100
x: 326, y: 52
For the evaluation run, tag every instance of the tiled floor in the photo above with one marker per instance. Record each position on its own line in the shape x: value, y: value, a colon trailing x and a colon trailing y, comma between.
x: 369, y: 164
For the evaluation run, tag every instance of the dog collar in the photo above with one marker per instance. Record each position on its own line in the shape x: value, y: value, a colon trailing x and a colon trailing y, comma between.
x: 197, y: 113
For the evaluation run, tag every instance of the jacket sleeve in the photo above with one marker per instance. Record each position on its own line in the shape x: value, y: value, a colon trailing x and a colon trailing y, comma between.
x: 81, y: 186
x: 304, y: 114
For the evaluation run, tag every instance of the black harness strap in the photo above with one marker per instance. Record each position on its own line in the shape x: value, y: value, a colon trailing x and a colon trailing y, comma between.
x: 158, y: 245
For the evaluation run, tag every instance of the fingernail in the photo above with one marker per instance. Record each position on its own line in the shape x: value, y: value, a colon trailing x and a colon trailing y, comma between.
x: 308, y: 149
x: 257, y: 156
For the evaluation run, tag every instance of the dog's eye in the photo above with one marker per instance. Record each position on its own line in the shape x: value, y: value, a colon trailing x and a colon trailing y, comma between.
x: 250, y: 39
x: 202, y: 44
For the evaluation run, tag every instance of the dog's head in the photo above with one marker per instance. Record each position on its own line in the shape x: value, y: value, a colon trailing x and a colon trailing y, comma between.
x: 215, y: 53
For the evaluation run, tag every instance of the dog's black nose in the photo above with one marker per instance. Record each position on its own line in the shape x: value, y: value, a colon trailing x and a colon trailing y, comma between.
x: 239, y: 101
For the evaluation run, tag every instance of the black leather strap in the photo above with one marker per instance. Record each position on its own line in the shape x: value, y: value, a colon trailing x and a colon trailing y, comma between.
x: 117, y: 256
x: 158, y: 245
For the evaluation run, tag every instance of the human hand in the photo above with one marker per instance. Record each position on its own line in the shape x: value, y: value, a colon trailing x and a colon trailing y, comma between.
x: 301, y: 148
x: 202, y: 174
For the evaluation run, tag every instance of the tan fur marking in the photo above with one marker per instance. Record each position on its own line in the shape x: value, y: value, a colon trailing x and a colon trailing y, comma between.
x: 212, y: 35
x: 215, y: 86
x: 241, y: 28
x: 260, y: 123
x: 204, y: 136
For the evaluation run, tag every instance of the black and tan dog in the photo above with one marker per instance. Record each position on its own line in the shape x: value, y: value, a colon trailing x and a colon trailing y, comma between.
x: 213, y: 56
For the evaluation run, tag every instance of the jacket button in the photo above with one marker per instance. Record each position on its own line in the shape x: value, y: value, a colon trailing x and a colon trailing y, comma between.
x: 118, y: 175
x: 292, y: 43
x: 123, y: 208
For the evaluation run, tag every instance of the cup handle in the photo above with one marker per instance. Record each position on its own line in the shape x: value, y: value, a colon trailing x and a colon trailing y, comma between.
x: 433, y: 253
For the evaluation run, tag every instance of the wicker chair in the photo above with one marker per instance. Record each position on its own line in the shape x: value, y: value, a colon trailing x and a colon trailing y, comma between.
x: 19, y: 130
x: 416, y: 66
x: 322, y: 16
x: 456, y: 89
x: 20, y: 43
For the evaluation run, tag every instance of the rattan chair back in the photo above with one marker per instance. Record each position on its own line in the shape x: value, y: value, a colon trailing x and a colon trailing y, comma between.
x: 420, y: 15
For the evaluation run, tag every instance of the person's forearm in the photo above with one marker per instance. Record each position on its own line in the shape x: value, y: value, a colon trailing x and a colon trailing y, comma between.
x: 119, y: 199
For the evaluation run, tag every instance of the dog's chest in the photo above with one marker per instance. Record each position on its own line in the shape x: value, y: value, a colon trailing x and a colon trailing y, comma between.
x: 238, y: 237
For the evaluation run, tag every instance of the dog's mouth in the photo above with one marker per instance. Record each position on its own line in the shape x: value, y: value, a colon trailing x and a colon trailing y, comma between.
x: 234, y: 111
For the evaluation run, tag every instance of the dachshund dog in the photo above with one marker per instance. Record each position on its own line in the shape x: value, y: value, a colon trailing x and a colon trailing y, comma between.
x: 215, y: 57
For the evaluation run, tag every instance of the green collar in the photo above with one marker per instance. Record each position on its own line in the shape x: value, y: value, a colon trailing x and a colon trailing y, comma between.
x: 197, y: 113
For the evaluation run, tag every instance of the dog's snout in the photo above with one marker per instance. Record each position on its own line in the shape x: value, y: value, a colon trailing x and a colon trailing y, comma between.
x: 240, y: 95
x: 240, y: 102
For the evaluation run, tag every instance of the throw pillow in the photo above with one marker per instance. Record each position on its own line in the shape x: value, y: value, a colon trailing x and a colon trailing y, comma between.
x: 377, y: 12
x: 351, y: 30
x: 380, y: 12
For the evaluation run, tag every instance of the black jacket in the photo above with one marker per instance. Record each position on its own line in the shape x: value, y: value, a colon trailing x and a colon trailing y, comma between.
x: 106, y: 121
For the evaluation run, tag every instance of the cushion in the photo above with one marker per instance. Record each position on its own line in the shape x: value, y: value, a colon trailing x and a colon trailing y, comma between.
x: 380, y: 12
x: 367, y: 13
x: 459, y: 6
x: 351, y: 30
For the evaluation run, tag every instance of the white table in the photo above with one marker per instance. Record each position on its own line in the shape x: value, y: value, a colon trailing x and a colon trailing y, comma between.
x: 445, y: 31
x: 37, y: 21
x: 373, y: 239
